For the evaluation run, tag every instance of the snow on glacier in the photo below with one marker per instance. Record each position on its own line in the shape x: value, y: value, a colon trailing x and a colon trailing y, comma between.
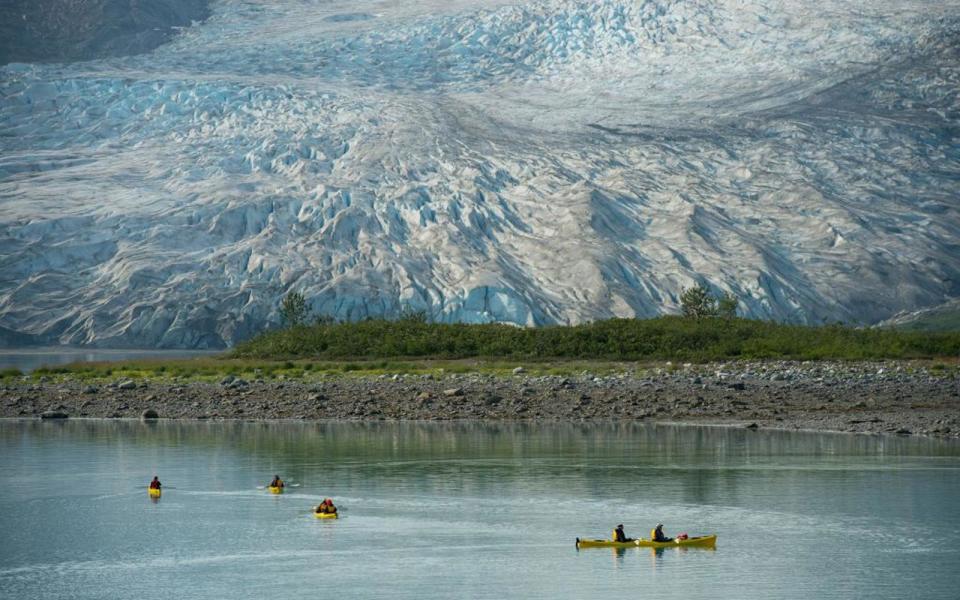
x: 527, y: 162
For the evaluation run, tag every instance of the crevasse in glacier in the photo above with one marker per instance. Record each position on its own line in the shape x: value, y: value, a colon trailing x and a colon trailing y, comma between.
x: 552, y: 161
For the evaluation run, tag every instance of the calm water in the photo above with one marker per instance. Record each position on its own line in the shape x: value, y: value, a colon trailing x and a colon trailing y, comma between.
x: 470, y: 510
x: 30, y: 359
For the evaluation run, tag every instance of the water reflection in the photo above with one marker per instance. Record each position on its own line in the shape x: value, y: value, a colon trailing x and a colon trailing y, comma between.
x: 466, y: 500
x: 653, y: 558
x: 30, y: 359
x: 669, y: 447
x: 694, y: 464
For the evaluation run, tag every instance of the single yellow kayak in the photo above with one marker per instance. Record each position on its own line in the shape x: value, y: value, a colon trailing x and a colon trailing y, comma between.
x: 704, y: 541
x: 275, y: 490
x: 325, y: 515
x: 153, y: 492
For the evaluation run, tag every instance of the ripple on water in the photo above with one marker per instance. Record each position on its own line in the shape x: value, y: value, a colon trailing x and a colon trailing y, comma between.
x: 496, y: 502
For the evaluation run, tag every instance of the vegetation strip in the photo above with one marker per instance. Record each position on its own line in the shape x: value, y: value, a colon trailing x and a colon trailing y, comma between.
x: 664, y: 338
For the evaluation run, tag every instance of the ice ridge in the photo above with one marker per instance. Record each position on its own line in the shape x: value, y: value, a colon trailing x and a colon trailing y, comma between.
x: 552, y: 161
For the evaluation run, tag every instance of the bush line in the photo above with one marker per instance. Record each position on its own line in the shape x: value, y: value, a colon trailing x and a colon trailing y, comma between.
x: 663, y: 338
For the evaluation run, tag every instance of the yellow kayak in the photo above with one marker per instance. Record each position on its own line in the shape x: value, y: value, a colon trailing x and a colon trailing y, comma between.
x: 325, y: 515
x: 275, y: 490
x: 703, y: 541
x: 153, y: 492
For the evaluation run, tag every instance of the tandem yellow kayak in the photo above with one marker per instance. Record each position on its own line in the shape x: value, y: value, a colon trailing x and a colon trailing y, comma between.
x: 153, y: 492
x: 275, y: 489
x: 703, y: 541
x: 325, y: 515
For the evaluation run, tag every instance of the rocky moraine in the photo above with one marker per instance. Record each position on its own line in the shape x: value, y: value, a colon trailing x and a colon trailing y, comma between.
x: 892, y: 398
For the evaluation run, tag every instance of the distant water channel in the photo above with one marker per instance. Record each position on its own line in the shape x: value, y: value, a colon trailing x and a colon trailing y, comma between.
x: 30, y: 359
x: 470, y: 511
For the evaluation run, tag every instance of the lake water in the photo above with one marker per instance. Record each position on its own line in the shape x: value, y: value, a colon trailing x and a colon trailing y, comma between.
x: 32, y: 358
x: 470, y: 511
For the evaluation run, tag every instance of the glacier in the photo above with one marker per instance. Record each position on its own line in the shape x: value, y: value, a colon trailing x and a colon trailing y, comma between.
x: 529, y: 162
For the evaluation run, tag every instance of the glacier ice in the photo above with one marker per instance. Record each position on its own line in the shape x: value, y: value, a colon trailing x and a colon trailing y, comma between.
x: 549, y: 161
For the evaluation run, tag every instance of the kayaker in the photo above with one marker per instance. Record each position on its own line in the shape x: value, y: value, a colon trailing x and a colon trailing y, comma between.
x: 619, y: 535
x: 277, y: 482
x: 155, y: 484
x: 657, y: 534
x: 326, y: 507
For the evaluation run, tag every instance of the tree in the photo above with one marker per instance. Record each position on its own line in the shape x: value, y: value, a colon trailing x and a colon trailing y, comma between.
x: 293, y: 309
x: 727, y: 306
x: 413, y: 316
x: 698, y: 303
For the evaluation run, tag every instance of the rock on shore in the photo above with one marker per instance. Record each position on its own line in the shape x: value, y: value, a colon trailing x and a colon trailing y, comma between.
x: 861, y: 397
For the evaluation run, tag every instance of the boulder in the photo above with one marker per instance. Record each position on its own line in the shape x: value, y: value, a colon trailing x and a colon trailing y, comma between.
x: 491, y: 399
x: 53, y: 414
x: 149, y: 415
x: 126, y: 384
x: 519, y: 371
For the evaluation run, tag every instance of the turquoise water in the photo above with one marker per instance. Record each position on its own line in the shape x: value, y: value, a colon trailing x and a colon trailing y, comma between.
x: 470, y: 510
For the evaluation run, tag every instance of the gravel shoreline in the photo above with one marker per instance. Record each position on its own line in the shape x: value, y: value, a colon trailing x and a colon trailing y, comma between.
x: 890, y: 398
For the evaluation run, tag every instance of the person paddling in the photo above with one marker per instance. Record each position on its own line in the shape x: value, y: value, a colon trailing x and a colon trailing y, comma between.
x: 277, y: 482
x: 657, y: 534
x: 155, y: 484
x: 326, y: 507
x: 619, y: 535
